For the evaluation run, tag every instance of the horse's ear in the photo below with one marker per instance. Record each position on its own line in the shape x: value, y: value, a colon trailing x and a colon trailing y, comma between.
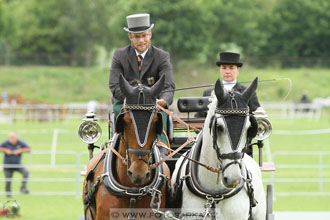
x: 125, y: 87
x: 159, y: 124
x: 119, y: 126
x: 157, y: 87
x: 253, y: 129
x: 250, y: 90
x: 220, y: 93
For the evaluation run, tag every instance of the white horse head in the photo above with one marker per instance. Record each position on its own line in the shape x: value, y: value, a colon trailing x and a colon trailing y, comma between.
x: 226, y: 128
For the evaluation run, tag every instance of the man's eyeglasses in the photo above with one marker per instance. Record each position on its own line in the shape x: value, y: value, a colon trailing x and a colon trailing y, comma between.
x: 142, y: 36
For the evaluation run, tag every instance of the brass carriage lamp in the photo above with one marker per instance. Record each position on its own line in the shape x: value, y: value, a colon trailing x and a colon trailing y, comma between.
x: 264, y: 130
x: 264, y: 125
x: 90, y: 131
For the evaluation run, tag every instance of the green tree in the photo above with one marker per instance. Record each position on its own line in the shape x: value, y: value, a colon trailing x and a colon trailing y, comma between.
x: 7, y: 31
x: 72, y: 27
x: 299, y: 28
x: 235, y: 26
x: 180, y: 27
x: 86, y: 24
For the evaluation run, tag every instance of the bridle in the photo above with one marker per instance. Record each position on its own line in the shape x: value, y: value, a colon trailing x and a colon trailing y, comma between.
x: 235, y: 156
x: 138, y: 152
x: 128, y: 108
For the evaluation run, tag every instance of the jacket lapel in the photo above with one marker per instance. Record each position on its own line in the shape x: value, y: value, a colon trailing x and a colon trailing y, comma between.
x: 147, y: 62
x: 133, y: 61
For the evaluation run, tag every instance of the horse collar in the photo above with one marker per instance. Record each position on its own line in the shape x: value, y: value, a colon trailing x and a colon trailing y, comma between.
x: 118, y: 189
x: 194, y: 185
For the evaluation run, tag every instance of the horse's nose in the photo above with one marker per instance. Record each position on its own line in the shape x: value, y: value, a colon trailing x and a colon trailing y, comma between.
x: 226, y: 181
x: 230, y: 183
x: 130, y: 173
x: 148, y: 175
x: 138, y: 179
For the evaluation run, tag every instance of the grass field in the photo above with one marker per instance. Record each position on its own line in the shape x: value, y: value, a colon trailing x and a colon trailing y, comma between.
x: 39, y: 136
x: 74, y: 84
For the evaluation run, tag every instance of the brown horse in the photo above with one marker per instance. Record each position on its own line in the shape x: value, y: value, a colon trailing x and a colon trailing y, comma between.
x: 123, y: 178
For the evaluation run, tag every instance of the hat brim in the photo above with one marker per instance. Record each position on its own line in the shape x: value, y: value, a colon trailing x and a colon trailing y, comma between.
x: 137, y: 30
x: 238, y: 64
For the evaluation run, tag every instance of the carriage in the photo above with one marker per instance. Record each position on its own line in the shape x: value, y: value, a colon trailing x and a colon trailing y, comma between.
x: 182, y: 133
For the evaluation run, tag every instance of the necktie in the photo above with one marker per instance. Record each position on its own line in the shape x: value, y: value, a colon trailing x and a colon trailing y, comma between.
x: 139, y: 58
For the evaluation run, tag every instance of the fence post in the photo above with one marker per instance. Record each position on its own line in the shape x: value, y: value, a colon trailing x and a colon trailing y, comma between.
x: 54, y: 144
x: 321, y: 172
x: 78, y: 188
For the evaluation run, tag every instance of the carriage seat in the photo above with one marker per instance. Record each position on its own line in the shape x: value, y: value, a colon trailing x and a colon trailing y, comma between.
x: 193, y: 104
x: 186, y: 105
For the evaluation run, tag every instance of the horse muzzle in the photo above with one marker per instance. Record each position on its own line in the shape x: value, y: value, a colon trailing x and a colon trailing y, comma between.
x: 139, y: 178
x: 231, y: 183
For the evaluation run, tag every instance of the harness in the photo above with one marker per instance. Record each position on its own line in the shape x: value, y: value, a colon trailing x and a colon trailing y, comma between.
x: 117, y: 189
x: 191, y: 175
x: 114, y: 187
x: 89, y: 198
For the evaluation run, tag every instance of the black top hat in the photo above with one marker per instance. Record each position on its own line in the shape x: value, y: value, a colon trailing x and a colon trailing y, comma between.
x: 229, y: 58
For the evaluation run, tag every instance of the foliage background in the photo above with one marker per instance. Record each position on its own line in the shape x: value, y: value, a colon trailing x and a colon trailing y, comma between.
x: 59, y: 51
x: 188, y: 29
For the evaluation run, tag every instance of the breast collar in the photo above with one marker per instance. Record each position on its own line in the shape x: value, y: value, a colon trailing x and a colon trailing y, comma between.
x: 116, y: 188
x: 193, y: 182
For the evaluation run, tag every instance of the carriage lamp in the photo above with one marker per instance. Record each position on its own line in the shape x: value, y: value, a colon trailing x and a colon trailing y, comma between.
x: 264, y: 125
x: 89, y: 130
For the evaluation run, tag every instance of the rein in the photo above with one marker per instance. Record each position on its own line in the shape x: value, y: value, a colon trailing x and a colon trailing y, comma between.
x: 189, y: 140
x: 173, y: 152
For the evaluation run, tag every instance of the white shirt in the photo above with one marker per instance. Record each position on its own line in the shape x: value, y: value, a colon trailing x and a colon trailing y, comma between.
x: 229, y: 85
x: 142, y: 54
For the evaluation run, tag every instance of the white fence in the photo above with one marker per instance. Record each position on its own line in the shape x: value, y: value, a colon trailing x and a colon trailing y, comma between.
x: 290, y: 110
x: 318, y: 172
x: 11, y: 112
x: 318, y: 179
x: 51, y: 180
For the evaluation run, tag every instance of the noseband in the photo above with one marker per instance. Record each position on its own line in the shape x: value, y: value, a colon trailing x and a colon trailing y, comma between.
x: 138, y: 152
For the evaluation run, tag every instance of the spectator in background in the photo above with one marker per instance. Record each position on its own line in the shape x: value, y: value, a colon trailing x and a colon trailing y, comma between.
x: 13, y: 149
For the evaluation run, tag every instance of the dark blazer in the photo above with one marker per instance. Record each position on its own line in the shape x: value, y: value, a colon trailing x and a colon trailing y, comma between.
x: 155, y: 64
x: 253, y: 102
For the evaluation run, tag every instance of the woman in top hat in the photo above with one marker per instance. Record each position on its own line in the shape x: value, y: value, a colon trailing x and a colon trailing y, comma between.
x: 230, y: 66
x: 141, y: 62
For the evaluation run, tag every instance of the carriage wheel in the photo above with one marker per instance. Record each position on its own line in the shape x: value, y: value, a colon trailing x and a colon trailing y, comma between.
x: 269, y: 203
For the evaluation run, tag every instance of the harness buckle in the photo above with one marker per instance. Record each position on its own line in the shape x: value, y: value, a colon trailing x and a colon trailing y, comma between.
x: 208, y: 207
x: 155, y: 193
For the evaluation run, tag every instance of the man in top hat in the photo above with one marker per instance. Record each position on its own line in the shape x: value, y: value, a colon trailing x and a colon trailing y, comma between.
x: 141, y: 62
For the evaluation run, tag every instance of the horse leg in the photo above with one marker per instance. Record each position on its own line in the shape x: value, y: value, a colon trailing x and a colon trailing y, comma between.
x: 258, y: 212
x: 167, y: 184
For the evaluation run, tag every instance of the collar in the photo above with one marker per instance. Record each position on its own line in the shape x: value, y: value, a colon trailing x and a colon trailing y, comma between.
x: 229, y: 85
x: 142, y: 54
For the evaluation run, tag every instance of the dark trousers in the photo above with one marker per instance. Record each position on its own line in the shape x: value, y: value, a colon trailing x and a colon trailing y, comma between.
x: 9, y: 174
